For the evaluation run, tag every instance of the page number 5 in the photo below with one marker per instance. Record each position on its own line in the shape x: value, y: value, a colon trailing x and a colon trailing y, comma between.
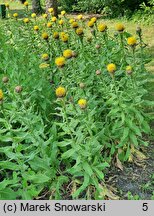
x: 145, y: 207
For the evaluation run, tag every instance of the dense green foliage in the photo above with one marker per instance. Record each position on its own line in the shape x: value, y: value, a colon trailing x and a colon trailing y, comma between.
x: 112, y: 8
x: 52, y: 144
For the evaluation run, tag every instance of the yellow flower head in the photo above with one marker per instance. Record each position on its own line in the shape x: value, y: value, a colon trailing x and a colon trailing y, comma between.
x: 74, y: 24
x: 61, y: 22
x: 120, y: 27
x: 43, y: 65
x: 63, y: 13
x: 60, y: 92
x: 7, y: 5
x: 45, y: 57
x: 45, y: 16
x: 56, y: 35
x: 54, y: 19
x: 60, y: 61
x: 26, y: 20
x: 79, y: 17
x: 67, y: 53
x: 90, y: 23
x: 62, y: 33
x: 33, y: 15
x: 129, y: 69
x: 71, y: 21
x: 82, y: 103
x: 93, y: 19
x: 131, y: 41
x: 50, y: 10
x: 36, y: 28
x: 1, y: 95
x: 45, y: 36
x: 26, y: 3
x: 49, y: 24
x: 102, y: 27
x: 111, y: 68
x: 79, y: 31
x: 64, y: 37
x: 15, y: 15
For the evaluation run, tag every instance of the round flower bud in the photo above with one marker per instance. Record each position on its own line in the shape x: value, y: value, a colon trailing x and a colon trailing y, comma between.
x: 5, y: 79
x: 138, y: 30
x: 18, y: 89
x: 98, y: 72
x: 82, y: 85
x: 98, y: 46
x: 74, y: 54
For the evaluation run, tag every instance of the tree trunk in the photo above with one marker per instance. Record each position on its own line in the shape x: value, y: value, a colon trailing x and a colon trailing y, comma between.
x: 36, y: 6
x: 52, y: 4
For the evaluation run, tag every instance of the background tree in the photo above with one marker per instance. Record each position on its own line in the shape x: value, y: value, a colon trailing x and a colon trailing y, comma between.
x: 52, y: 4
x: 36, y: 6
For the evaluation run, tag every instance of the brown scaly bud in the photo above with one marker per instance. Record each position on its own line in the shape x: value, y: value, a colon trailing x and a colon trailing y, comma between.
x: 18, y: 89
x: 82, y: 85
x: 138, y: 30
x: 98, y: 72
x: 98, y: 46
x: 5, y: 79
x: 74, y: 54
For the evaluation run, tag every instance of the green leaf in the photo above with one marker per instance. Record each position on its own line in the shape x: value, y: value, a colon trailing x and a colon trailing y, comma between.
x: 64, y: 143
x: 133, y: 139
x: 99, y: 173
x: 36, y: 178
x: 7, y: 194
x: 124, y: 137
x: 145, y: 127
x: 103, y: 165
x: 68, y: 154
x: 83, y: 186
x: 87, y: 168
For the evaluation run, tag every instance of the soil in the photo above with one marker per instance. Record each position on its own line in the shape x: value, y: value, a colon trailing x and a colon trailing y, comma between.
x: 135, y: 179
